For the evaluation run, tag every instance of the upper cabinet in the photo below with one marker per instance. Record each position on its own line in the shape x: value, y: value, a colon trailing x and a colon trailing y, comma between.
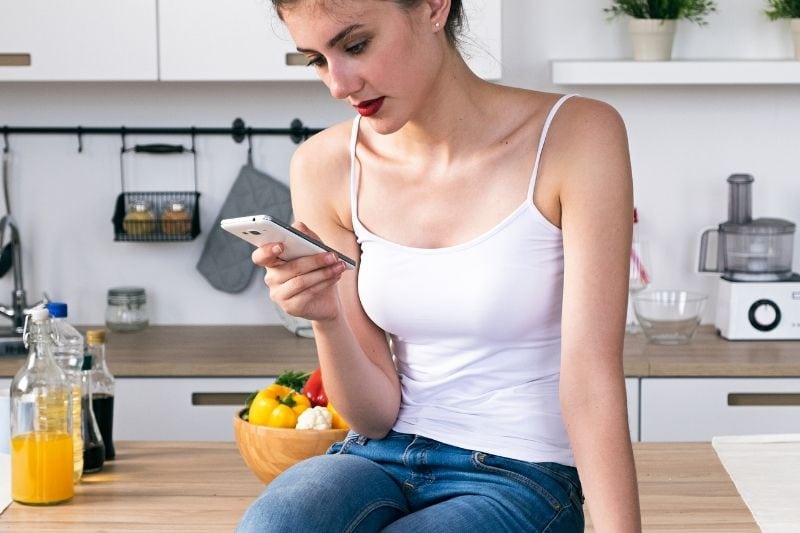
x: 78, y: 40
x: 180, y: 40
x: 209, y: 40
x: 236, y: 40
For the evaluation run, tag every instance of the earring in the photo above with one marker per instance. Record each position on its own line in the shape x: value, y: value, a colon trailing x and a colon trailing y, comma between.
x: 436, y: 26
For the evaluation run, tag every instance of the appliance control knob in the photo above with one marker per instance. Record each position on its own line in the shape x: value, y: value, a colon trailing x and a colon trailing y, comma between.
x: 764, y: 315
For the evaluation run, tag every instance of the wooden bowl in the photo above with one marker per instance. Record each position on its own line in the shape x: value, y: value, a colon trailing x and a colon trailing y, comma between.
x: 269, y: 451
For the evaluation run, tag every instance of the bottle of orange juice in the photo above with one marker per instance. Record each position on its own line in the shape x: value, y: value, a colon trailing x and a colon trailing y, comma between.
x: 41, y: 422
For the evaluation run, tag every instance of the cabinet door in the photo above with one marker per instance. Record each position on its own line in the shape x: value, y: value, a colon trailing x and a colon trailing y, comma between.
x: 79, y: 40
x: 207, y: 40
x: 179, y: 408
x: 697, y: 409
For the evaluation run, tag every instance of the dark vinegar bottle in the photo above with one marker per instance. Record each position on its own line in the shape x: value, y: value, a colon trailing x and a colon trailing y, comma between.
x: 102, y: 388
x: 93, y: 450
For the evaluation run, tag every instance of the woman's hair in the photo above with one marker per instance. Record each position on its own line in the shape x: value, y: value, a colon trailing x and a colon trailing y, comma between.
x: 452, y: 28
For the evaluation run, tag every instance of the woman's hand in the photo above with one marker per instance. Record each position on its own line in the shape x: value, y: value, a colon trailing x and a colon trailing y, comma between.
x: 303, y: 287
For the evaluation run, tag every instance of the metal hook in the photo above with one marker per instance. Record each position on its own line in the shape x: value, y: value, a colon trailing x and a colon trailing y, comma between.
x: 193, y: 133
x: 5, y: 139
x: 80, y: 139
x: 249, y: 142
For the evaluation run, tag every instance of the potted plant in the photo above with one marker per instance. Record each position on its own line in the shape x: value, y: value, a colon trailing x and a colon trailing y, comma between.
x: 652, y: 23
x: 787, y: 9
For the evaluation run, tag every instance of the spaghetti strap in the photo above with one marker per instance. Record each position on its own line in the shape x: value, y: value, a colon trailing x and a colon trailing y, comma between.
x: 542, y: 139
x: 353, y: 172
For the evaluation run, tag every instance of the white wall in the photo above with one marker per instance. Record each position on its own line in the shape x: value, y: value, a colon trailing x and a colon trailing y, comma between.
x: 684, y: 142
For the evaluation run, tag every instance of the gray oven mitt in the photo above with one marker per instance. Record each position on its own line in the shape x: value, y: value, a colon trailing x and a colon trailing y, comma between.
x: 225, y: 261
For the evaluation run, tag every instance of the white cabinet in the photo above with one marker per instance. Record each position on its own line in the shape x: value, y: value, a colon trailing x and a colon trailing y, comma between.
x: 180, y: 408
x: 632, y: 390
x: 697, y: 409
x: 79, y: 40
x: 208, y: 40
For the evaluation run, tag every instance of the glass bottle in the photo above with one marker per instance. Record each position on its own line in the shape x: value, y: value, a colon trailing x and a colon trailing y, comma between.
x: 93, y: 449
x: 41, y: 422
x: 102, y: 388
x: 68, y: 354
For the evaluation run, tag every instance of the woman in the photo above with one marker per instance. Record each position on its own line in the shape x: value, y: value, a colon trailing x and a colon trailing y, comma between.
x: 470, y: 399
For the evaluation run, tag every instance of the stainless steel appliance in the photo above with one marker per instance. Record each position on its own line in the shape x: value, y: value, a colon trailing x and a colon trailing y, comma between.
x: 758, y: 294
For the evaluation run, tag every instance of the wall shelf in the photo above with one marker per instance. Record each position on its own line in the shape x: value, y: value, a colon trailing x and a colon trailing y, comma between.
x: 741, y: 72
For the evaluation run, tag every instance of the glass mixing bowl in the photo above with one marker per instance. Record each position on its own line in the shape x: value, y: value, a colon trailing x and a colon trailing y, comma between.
x: 669, y: 316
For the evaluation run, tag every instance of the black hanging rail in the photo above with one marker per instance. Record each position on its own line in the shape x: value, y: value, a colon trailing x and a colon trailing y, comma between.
x: 238, y: 131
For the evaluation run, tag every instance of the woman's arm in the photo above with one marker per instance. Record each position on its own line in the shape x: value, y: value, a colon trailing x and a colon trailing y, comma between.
x: 596, y: 214
x: 357, y: 366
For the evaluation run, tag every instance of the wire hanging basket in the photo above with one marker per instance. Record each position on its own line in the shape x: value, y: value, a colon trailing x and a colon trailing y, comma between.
x: 157, y: 216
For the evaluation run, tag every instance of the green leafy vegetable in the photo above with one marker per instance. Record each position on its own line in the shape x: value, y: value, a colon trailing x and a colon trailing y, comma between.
x: 293, y: 380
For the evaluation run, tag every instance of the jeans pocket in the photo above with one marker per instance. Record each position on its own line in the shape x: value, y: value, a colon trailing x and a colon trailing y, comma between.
x: 568, y: 476
x: 521, y: 472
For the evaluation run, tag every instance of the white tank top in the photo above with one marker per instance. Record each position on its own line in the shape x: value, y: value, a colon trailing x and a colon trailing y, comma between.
x: 475, y: 329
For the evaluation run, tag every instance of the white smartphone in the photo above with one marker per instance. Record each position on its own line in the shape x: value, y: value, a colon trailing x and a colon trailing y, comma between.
x: 262, y: 229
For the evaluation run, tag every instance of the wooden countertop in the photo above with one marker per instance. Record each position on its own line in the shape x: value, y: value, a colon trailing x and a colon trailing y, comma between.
x: 200, y: 486
x: 252, y: 351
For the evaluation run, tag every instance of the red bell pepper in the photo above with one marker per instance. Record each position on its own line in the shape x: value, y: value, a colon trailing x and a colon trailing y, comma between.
x: 314, y: 389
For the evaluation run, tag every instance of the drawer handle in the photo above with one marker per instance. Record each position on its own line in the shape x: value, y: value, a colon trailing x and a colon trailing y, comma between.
x: 763, y: 398
x: 15, y: 60
x: 296, y: 59
x: 220, y: 398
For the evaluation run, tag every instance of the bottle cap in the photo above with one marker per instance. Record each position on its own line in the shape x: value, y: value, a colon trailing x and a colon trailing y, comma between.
x: 87, y: 362
x: 39, y: 314
x: 57, y: 309
x: 95, y: 336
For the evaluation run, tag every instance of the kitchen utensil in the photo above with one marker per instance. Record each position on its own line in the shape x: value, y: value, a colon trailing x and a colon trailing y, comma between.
x: 7, y: 254
x: 669, y: 316
x: 748, y: 249
x: 268, y: 451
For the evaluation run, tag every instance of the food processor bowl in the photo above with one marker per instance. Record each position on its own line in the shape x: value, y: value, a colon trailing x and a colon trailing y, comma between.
x: 758, y: 251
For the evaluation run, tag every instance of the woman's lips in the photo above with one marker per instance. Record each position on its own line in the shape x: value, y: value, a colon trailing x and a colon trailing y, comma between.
x: 369, y: 107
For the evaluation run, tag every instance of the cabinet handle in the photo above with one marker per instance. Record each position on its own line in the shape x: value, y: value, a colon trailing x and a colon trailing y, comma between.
x: 763, y: 398
x: 220, y: 398
x: 15, y: 60
x: 296, y: 59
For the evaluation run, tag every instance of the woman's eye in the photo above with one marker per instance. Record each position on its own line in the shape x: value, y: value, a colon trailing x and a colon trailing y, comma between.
x: 316, y: 61
x: 357, y: 48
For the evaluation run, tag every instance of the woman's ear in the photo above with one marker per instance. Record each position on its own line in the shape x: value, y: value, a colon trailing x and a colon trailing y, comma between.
x: 440, y: 9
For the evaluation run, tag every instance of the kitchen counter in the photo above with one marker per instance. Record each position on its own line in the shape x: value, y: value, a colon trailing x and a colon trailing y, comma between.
x: 250, y: 351
x: 201, y: 486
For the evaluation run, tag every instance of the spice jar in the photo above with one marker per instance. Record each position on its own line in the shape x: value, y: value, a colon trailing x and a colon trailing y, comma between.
x: 127, y: 309
x: 139, y: 220
x: 175, y: 219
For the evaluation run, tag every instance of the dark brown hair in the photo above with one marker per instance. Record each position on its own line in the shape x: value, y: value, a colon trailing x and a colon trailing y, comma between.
x: 452, y: 28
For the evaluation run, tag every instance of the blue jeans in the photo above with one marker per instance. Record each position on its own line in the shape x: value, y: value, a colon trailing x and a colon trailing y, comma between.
x: 409, y: 483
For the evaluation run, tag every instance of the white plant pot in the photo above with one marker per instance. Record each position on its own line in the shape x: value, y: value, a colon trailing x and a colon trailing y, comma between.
x: 652, y: 39
x: 794, y: 24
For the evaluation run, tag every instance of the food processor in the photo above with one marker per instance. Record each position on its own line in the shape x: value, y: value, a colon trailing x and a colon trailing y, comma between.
x: 758, y: 294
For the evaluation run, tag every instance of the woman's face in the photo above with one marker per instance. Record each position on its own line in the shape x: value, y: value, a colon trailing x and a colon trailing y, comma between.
x: 378, y: 57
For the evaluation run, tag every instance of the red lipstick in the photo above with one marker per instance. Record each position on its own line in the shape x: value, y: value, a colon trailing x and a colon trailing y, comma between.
x: 369, y: 107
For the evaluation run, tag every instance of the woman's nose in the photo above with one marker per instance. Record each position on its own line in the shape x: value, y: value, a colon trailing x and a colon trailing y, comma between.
x: 342, y: 81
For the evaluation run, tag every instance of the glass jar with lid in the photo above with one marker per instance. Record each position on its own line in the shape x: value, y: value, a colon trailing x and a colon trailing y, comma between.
x: 175, y: 219
x: 139, y: 219
x: 127, y: 309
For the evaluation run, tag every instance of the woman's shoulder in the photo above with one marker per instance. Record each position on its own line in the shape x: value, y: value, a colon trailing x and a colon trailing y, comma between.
x: 323, y: 156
